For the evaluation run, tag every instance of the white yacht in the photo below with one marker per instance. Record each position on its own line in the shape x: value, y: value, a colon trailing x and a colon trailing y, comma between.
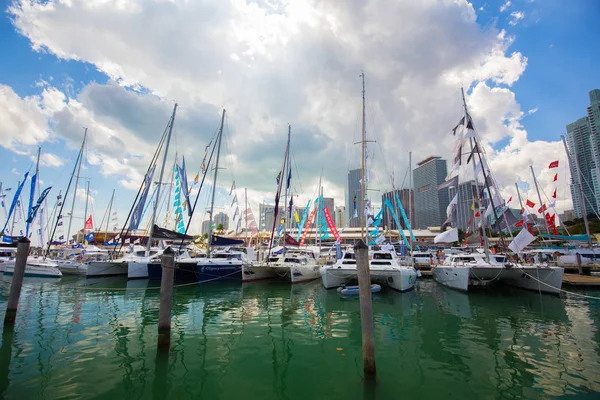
x: 36, y: 267
x: 462, y: 271
x: 384, y: 266
x: 225, y: 264
x: 120, y: 266
x: 295, y: 266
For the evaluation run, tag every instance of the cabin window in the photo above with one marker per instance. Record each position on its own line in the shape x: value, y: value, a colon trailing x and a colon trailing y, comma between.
x: 382, y: 256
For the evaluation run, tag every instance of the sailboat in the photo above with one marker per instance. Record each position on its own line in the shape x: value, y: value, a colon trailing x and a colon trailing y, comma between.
x: 384, y: 265
x: 293, y: 264
x: 121, y: 266
x: 463, y: 271
x: 36, y: 266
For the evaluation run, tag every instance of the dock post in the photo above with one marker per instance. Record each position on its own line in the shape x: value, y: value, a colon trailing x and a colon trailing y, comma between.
x: 167, y: 261
x: 579, y: 267
x: 366, y: 309
x: 17, y: 281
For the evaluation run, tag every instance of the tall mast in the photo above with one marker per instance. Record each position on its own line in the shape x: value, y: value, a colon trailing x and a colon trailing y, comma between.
x: 2, y: 193
x: 519, y: 196
x: 285, y: 175
x: 362, y: 172
x: 68, y: 237
x: 318, y: 204
x: 582, y: 206
x: 537, y: 189
x: 410, y: 196
x: 87, y: 197
x: 32, y: 194
x: 110, y: 203
x: 246, y: 214
x: 12, y: 227
x: 214, y: 188
x: 486, y: 246
x: 160, y: 178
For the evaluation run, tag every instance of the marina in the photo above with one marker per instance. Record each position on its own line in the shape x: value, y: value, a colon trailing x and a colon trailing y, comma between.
x: 270, y: 338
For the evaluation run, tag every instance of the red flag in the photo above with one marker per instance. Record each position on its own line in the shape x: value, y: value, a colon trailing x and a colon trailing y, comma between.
x: 88, y: 223
x: 530, y: 203
x: 542, y: 209
x: 554, y: 194
x: 522, y: 211
x: 555, y: 178
x: 477, y: 214
x: 553, y: 164
x: 509, y: 199
x: 519, y: 224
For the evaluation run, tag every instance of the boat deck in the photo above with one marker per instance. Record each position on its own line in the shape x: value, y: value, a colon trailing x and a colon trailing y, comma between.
x: 581, y: 280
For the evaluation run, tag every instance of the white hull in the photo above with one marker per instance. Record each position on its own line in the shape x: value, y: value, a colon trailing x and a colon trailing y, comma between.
x: 257, y: 272
x: 303, y: 273
x: 68, y: 267
x: 35, y: 271
x: 137, y: 270
x: 543, y: 278
x: 107, y: 268
x: 401, y: 279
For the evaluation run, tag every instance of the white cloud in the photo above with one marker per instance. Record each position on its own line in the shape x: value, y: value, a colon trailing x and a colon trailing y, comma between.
x: 273, y: 63
x: 50, y: 160
x: 516, y: 17
x: 505, y: 6
x: 532, y: 111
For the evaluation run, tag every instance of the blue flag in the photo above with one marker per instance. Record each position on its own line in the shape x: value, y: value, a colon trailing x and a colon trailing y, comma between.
x: 31, y: 194
x: 33, y: 211
x: 184, y: 185
x: 136, y: 217
x: 15, y: 200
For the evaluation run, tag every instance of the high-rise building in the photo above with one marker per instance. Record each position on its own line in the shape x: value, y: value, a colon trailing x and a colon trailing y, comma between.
x: 407, y: 201
x: 205, y: 225
x: 583, y: 143
x: 353, y: 189
x: 466, y: 203
x: 329, y: 204
x: 221, y: 219
x: 430, y: 203
x: 340, y: 218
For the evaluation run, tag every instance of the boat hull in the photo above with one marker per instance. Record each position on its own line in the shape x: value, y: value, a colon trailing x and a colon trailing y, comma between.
x: 397, y: 278
x: 214, y: 271
x: 71, y: 268
x: 257, y: 272
x: 35, y: 271
x: 455, y: 277
x: 107, y: 268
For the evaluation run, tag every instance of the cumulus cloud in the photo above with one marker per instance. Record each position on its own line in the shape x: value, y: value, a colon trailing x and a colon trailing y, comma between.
x: 516, y: 16
x: 505, y: 6
x: 274, y: 63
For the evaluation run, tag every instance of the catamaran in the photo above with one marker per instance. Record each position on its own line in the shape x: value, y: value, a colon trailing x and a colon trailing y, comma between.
x: 463, y: 271
x: 384, y: 266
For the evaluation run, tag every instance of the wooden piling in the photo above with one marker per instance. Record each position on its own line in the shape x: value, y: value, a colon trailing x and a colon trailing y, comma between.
x: 17, y: 281
x: 579, y: 267
x: 361, y: 252
x: 166, y: 298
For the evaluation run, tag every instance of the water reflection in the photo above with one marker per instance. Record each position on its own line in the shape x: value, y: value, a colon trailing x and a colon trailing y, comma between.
x: 275, y: 341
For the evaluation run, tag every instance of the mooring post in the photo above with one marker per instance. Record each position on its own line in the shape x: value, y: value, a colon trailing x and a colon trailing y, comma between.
x: 361, y: 252
x: 167, y: 261
x: 579, y: 267
x: 17, y: 281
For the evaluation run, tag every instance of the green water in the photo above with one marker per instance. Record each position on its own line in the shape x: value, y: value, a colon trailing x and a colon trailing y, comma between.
x: 276, y: 341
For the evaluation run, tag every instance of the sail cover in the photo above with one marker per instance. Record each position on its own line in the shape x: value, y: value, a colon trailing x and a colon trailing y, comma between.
x: 162, y: 233
x: 223, y: 241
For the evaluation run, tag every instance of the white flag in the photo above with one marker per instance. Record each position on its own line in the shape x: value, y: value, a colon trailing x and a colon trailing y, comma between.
x: 453, y: 202
x: 450, y: 236
x: 521, y: 241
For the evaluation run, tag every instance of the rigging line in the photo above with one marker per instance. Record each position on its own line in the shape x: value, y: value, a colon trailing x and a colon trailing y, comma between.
x: 297, y: 175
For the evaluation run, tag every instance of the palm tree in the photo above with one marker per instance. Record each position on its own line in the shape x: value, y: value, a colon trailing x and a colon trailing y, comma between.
x: 220, y: 229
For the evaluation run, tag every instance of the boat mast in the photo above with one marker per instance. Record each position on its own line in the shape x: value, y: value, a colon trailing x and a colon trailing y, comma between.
x: 318, y: 204
x: 110, y: 203
x: 68, y: 237
x: 246, y: 215
x: 12, y: 227
x: 214, y: 188
x: 582, y: 205
x: 32, y: 195
x: 486, y: 245
x: 162, y: 171
x: 285, y: 175
x: 87, y: 196
x: 410, y: 197
x: 362, y: 172
x: 519, y: 196
x: 537, y: 189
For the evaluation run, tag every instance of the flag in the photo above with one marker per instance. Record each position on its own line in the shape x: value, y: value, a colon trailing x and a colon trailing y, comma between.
x: 296, y: 216
x: 509, y: 199
x: 232, y: 188
x: 136, y: 215
x: 35, y: 208
x: 472, y: 206
x: 57, y: 197
x: 183, y: 182
x: 477, y: 214
x: 555, y: 178
x: 278, y: 177
x: 234, y: 200
x: 89, y: 223
x: 554, y: 194
x: 542, y: 209
x: 553, y: 164
x: 460, y: 123
x: 15, y: 201
x: 196, y: 178
x: 530, y: 203
x: 519, y: 224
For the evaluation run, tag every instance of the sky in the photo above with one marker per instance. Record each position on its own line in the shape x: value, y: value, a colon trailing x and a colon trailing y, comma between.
x: 118, y: 66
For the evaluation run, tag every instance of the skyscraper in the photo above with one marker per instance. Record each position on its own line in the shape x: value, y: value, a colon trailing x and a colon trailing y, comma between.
x: 430, y: 203
x: 467, y: 198
x: 405, y: 200
x: 583, y: 143
x: 340, y: 217
x: 352, y: 190
x: 221, y: 219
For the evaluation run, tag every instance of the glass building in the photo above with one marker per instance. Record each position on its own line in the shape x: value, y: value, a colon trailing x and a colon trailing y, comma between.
x: 430, y: 203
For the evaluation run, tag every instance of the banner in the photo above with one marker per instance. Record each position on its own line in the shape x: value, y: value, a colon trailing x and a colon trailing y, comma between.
x: 89, y: 224
x: 15, y: 200
x: 179, y: 225
x: 136, y: 216
x: 388, y: 204
x: 34, y: 209
x: 184, y: 185
x: 31, y: 194
x: 331, y: 224
x: 305, y: 230
x: 303, y: 220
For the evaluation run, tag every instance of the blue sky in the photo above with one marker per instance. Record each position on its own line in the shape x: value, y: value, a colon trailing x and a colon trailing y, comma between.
x: 556, y: 37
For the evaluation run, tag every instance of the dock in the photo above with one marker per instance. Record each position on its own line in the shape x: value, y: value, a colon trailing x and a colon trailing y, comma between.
x: 581, y: 280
